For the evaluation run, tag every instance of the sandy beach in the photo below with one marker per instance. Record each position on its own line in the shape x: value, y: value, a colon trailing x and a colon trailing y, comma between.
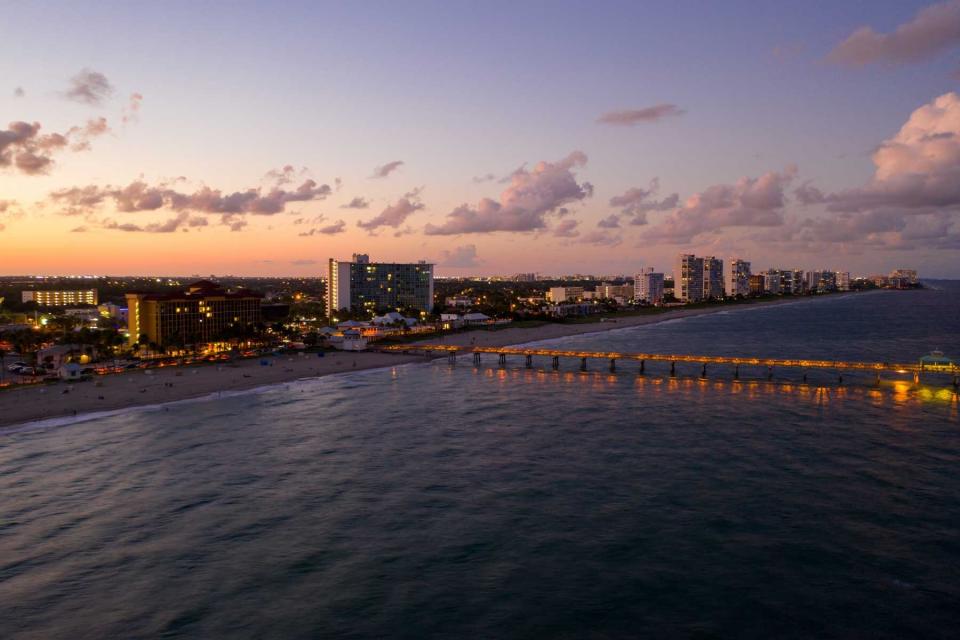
x: 155, y: 386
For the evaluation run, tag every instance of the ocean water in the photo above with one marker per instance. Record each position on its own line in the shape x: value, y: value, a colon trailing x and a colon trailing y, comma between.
x: 452, y: 501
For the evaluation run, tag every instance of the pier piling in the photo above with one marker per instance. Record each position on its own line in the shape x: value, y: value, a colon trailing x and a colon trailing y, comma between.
x: 583, y: 364
x: 476, y: 359
x: 556, y: 362
x: 673, y: 369
x: 642, y: 366
x: 703, y: 370
x: 503, y: 360
x: 529, y: 361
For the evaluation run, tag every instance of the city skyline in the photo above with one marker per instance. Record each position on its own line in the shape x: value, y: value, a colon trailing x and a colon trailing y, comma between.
x: 619, y: 137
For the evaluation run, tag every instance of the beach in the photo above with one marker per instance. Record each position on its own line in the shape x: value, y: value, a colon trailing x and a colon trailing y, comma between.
x: 140, y: 387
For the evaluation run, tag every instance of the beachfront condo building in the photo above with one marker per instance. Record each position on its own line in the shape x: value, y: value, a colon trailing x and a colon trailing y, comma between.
x: 60, y: 298
x: 361, y: 286
x: 737, y: 278
x: 556, y: 295
x: 712, y: 278
x: 203, y: 313
x: 648, y: 286
x: 688, y: 278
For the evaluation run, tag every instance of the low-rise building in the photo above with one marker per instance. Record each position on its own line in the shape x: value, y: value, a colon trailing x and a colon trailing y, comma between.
x: 60, y: 298
x: 559, y: 295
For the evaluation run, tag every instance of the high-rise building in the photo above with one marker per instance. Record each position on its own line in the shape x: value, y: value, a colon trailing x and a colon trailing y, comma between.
x: 771, y: 281
x: 843, y: 280
x: 204, y: 313
x: 737, y: 277
x: 373, y: 287
x: 905, y: 276
x: 60, y: 298
x: 712, y: 278
x: 799, y: 281
x: 648, y: 286
x: 757, y: 282
x: 688, y: 278
x: 525, y: 277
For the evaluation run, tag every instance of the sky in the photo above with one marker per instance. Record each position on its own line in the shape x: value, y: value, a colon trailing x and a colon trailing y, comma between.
x: 555, y: 137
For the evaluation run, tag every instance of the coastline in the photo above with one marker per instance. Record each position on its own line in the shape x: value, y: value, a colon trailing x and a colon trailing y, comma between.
x: 148, y: 388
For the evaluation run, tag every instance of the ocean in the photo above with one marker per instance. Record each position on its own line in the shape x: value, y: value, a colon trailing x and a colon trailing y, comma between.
x: 442, y: 500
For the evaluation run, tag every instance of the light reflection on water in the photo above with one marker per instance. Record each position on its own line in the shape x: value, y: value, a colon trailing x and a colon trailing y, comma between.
x: 455, y: 501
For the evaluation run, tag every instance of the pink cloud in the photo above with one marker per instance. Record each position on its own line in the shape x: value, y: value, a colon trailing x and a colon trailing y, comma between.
x: 631, y: 117
x: 525, y: 203
x: 933, y: 30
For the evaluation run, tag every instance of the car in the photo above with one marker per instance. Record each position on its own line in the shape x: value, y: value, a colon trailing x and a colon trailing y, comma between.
x: 16, y: 365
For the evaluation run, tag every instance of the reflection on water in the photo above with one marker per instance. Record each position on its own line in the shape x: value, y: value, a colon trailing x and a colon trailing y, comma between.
x: 453, y: 501
x: 859, y: 388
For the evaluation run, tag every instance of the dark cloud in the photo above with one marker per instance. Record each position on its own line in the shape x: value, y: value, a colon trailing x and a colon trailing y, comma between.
x: 357, y: 203
x: 932, y: 30
x: 462, y: 257
x: 525, y: 203
x: 330, y: 230
x: 631, y: 117
x: 139, y: 196
x: 25, y: 149
x: 385, y: 170
x: 18, y: 92
x: 612, y: 221
x: 393, y: 215
x: 89, y: 87
x: 750, y: 202
x: 182, y: 221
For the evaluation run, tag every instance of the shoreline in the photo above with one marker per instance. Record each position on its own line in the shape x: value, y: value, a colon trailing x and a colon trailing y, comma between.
x: 110, y: 394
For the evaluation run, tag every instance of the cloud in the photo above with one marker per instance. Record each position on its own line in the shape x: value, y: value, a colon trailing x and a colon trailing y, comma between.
x: 566, y: 228
x: 9, y: 209
x: 139, y: 196
x: 489, y: 177
x: 393, y: 215
x: 89, y: 87
x: 612, y: 221
x: 302, y: 263
x: 932, y: 30
x: 918, y: 169
x: 601, y: 238
x: 385, y: 170
x: 750, y: 202
x: 81, y: 229
x: 181, y: 221
x: 911, y: 201
x: 462, y: 257
x: 357, y: 203
x: 18, y: 92
x: 525, y: 203
x: 331, y: 229
x: 131, y: 112
x: 631, y: 117
x: 25, y: 149
x: 636, y: 202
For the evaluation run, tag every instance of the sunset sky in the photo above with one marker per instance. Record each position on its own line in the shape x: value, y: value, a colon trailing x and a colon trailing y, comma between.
x: 488, y: 137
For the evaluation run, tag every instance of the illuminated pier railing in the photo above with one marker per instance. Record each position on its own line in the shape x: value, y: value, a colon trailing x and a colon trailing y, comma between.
x: 674, y: 358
